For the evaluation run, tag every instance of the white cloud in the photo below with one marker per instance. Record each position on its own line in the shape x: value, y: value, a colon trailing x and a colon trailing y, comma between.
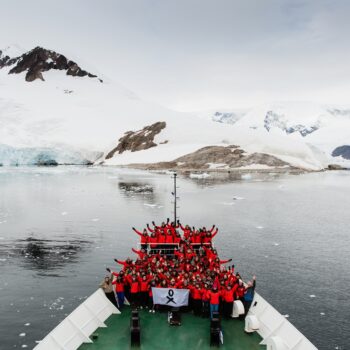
x: 197, y: 54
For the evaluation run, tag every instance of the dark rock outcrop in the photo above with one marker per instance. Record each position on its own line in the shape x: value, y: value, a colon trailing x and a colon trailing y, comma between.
x: 223, y: 158
x: 40, y: 60
x: 335, y: 167
x: 48, y: 162
x: 343, y: 151
x: 232, y: 156
x: 138, y: 140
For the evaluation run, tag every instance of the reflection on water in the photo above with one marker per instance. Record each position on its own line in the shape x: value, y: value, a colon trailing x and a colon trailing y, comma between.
x: 135, y: 187
x: 44, y: 254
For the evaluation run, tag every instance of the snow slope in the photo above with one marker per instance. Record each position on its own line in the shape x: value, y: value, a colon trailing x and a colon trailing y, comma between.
x: 83, y: 116
x: 315, y: 130
x: 88, y: 116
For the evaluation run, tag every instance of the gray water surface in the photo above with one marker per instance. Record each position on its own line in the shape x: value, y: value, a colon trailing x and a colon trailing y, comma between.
x: 60, y: 228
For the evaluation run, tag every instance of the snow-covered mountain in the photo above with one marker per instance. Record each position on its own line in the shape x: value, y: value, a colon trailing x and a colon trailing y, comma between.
x: 81, y: 114
x: 55, y: 109
x: 223, y: 116
x: 324, y: 129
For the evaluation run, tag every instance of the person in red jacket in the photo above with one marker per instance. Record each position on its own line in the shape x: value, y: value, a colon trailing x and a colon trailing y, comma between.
x: 127, y: 263
x: 151, y: 306
x: 240, y: 290
x: 143, y: 238
x: 119, y: 290
x: 227, y: 295
x: 144, y: 289
x: 205, y: 300
x: 214, y: 300
x: 153, y: 243
x: 209, y: 235
x: 141, y: 253
x: 196, y: 294
x: 134, y: 292
x: 186, y: 230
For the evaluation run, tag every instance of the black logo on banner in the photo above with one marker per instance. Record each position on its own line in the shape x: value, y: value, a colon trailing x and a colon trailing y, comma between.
x: 170, y: 296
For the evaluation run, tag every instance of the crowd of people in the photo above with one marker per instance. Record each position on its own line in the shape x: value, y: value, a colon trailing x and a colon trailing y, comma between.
x: 168, y: 259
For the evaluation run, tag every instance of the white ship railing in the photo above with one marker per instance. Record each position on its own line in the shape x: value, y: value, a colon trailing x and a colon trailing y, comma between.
x: 275, y: 328
x: 77, y: 327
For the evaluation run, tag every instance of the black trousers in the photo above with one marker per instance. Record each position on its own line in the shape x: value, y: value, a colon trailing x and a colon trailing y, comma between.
x: 143, y: 298
x: 227, y: 309
x: 247, y: 305
x: 111, y: 298
x: 197, y: 306
x: 134, y: 299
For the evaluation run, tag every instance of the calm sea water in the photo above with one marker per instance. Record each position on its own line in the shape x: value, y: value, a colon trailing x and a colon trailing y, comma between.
x: 60, y: 228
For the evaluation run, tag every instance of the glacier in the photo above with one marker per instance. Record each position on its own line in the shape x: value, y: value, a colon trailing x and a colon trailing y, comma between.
x: 12, y: 156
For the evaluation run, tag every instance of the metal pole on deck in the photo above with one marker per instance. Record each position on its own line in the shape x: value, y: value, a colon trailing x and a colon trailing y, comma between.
x: 175, y: 216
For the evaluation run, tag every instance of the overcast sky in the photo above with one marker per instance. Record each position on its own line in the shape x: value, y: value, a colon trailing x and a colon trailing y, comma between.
x: 198, y: 54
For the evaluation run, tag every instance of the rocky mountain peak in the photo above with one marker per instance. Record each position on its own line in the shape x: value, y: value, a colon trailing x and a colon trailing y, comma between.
x: 39, y: 60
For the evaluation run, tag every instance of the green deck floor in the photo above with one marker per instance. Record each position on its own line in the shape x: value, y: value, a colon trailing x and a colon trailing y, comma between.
x: 157, y: 334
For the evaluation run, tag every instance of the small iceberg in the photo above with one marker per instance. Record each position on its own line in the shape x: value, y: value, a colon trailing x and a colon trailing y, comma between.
x: 246, y: 176
x: 199, y: 176
x: 150, y: 205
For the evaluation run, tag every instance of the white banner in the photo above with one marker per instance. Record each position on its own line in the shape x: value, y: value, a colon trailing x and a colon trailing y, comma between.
x: 170, y: 296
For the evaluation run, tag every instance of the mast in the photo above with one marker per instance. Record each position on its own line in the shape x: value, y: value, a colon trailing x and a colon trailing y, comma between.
x: 175, y: 198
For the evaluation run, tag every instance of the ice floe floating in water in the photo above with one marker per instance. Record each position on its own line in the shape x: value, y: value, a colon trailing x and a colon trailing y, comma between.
x: 286, y: 316
x: 322, y: 313
x: 276, y: 244
x: 24, y: 346
x: 64, y: 213
x: 27, y: 324
x: 199, y: 176
x: 312, y: 296
x: 22, y: 334
x: 246, y: 176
